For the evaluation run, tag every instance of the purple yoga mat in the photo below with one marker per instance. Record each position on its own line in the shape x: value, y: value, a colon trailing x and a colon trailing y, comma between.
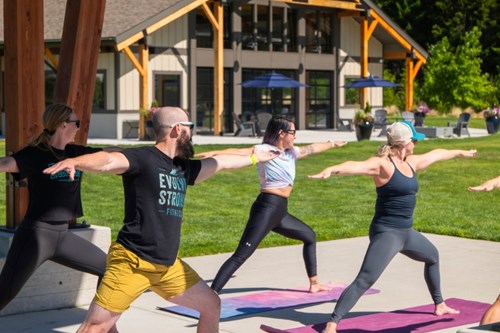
x: 417, y: 319
x: 269, y: 300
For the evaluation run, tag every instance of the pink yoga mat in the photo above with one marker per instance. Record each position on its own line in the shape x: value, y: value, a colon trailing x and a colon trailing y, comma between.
x: 268, y: 301
x: 416, y: 319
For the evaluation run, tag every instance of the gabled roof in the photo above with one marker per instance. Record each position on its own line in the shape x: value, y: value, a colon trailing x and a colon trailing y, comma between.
x: 121, y: 17
x: 390, y: 42
x: 126, y: 20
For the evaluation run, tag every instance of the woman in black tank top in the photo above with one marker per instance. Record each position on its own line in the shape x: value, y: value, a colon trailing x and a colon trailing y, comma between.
x: 393, y: 171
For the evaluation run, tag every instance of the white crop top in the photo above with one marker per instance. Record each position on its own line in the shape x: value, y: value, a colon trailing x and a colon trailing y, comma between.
x: 280, y: 171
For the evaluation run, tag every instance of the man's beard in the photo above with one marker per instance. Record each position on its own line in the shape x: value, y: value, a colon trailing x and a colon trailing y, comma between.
x: 184, y: 147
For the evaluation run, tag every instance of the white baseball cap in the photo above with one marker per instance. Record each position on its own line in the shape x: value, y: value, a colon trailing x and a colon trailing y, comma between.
x: 403, y: 131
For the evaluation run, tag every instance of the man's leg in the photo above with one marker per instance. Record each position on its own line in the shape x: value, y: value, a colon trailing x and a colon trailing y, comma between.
x: 204, y: 300
x: 99, y: 320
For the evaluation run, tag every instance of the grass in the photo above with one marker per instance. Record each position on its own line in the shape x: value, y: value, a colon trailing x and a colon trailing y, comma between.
x: 340, y: 207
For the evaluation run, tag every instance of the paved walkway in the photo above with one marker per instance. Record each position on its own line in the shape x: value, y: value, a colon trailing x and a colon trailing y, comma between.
x: 469, y: 270
x: 303, y: 136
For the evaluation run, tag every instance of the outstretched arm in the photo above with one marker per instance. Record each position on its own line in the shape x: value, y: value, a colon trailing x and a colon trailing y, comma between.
x: 420, y: 162
x: 8, y: 164
x: 488, y: 185
x: 115, y: 163
x: 319, y: 147
x: 228, y: 151
x: 370, y: 167
x: 212, y: 165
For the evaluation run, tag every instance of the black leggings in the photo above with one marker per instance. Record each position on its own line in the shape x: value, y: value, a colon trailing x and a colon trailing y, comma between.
x: 385, y: 243
x: 35, y: 242
x: 268, y: 213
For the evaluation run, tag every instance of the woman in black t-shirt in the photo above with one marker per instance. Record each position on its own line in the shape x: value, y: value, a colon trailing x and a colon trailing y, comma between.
x: 53, y: 201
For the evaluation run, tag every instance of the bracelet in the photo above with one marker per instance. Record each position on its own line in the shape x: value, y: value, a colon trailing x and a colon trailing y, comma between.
x: 254, y: 159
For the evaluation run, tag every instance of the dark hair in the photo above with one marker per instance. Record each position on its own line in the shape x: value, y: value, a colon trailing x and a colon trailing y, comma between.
x: 274, y: 126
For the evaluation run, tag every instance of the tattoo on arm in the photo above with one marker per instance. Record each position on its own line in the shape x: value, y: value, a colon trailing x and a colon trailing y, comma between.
x: 307, y: 150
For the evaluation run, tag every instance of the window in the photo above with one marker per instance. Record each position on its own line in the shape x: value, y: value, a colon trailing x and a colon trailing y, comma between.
x: 319, y: 32
x: 168, y: 89
x: 263, y: 26
x: 205, y: 100
x: 275, y: 101
x: 319, y: 99
x: 204, y: 30
x: 99, y: 99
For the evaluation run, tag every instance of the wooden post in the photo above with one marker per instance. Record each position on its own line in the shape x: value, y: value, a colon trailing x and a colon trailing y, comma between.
x: 81, y: 40
x: 363, y: 58
x: 24, y: 93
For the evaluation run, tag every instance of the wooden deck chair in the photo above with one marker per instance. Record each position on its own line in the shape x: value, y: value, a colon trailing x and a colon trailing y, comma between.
x: 344, y: 124
x: 462, y: 124
x: 380, y: 121
x: 243, y: 128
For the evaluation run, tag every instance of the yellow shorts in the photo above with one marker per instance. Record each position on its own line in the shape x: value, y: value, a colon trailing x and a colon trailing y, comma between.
x: 128, y: 276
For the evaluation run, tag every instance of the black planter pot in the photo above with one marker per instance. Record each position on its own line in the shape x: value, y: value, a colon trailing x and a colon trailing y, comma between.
x: 364, y: 131
x: 492, y: 125
x: 419, y: 118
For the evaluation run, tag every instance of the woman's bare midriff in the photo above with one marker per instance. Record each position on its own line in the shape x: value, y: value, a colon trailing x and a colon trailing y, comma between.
x: 282, y: 192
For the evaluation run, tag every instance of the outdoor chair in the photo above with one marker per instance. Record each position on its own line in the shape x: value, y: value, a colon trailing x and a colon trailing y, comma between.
x: 263, y: 119
x: 462, y: 124
x: 343, y: 124
x: 380, y: 121
x: 409, y: 116
x: 243, y: 128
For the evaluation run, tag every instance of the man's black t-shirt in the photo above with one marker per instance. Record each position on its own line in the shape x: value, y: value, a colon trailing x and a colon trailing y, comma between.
x: 155, y: 188
x: 51, y: 197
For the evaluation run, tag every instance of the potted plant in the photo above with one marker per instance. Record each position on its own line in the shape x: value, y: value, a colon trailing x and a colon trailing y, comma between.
x: 420, y: 111
x: 491, y: 117
x: 363, y: 123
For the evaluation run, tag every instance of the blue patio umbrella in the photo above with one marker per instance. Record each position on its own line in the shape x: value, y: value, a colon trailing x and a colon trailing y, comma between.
x: 272, y: 80
x: 370, y: 81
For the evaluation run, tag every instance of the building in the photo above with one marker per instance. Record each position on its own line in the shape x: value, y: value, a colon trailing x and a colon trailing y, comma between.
x: 324, y: 44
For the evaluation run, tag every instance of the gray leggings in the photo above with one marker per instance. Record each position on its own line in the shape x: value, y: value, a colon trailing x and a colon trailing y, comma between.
x: 36, y: 242
x: 385, y: 243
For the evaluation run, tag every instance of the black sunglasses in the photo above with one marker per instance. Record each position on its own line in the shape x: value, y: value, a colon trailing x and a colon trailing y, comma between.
x: 77, y: 122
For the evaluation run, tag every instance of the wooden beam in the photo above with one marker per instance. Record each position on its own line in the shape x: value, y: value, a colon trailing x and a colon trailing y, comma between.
x: 364, y: 37
x: 395, y: 55
x: 210, y: 16
x: 24, y: 91
x: 134, y: 60
x: 161, y: 23
x: 350, y: 5
x: 52, y: 58
x: 80, y: 45
x: 403, y: 42
x: 143, y: 86
x: 218, y: 67
x: 348, y: 13
x: 409, y: 83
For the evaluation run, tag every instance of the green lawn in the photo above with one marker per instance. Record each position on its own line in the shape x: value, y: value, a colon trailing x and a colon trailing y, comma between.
x: 216, y: 211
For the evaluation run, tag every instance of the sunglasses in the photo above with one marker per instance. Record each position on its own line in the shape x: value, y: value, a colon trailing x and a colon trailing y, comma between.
x: 77, y: 122
x: 189, y: 124
x: 292, y: 132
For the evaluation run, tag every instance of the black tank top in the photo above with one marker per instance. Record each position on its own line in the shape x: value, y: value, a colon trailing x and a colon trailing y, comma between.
x: 396, y: 200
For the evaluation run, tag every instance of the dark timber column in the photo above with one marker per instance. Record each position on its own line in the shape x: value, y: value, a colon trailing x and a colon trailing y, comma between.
x: 24, y: 88
x: 80, y: 46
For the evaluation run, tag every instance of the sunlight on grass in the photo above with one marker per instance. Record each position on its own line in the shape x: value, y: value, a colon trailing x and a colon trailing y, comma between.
x: 340, y: 207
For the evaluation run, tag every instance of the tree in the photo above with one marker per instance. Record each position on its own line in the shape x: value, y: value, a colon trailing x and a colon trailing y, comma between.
x: 455, y: 78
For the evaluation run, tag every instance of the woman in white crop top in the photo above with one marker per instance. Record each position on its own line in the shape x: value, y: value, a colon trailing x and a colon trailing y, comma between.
x: 269, y: 212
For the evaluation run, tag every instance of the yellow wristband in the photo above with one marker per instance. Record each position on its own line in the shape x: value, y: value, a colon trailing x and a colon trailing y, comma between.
x: 254, y: 159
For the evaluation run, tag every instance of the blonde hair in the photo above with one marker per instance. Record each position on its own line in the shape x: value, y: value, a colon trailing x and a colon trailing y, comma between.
x: 53, y: 116
x: 388, y: 149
